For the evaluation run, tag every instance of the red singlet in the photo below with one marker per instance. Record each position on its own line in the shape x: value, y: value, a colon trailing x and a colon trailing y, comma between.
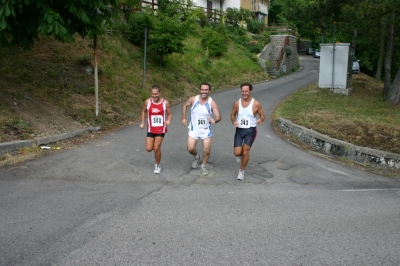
x: 156, y: 116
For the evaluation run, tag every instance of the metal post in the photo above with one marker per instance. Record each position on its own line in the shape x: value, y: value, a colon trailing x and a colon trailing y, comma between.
x: 144, y: 59
x: 96, y: 77
x: 333, y: 53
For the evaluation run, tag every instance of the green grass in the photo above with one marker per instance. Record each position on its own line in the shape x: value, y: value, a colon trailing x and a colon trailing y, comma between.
x: 362, y: 118
x: 56, y: 72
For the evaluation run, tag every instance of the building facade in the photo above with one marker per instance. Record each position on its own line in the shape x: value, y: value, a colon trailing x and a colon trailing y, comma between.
x: 258, y: 7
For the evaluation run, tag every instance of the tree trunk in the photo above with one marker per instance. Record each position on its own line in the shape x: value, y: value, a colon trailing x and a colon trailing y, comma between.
x: 354, y: 42
x: 96, y: 78
x: 389, y: 55
x: 394, y: 90
x: 378, y: 73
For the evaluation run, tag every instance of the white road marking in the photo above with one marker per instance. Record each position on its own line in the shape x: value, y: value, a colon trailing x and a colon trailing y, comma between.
x: 336, y: 171
x: 366, y: 189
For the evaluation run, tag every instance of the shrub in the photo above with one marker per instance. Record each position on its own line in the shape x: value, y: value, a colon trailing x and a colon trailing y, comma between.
x: 215, y: 42
x: 255, y: 26
x: 201, y: 16
x: 138, y: 22
x: 255, y: 47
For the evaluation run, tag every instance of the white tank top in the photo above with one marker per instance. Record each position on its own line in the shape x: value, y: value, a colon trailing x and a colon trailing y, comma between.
x: 245, y: 116
x: 200, y: 116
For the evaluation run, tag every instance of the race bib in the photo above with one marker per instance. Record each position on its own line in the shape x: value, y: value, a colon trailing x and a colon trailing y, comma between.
x: 244, y: 122
x: 202, y: 122
x: 157, y: 121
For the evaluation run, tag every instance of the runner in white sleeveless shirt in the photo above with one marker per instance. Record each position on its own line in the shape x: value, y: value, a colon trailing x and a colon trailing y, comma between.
x: 202, y: 108
x: 244, y: 119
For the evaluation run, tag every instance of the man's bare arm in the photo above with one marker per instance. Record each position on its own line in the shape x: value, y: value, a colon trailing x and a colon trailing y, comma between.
x: 169, y: 113
x: 235, y: 109
x: 144, y: 111
x: 260, y: 112
x: 215, y: 110
x: 184, y: 107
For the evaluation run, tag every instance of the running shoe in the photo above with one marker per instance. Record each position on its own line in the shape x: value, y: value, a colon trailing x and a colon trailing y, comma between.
x: 195, y: 162
x: 240, y: 175
x: 157, y: 169
x: 203, y: 170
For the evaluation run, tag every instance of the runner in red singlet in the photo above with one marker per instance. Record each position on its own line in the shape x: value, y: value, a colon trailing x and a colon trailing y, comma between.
x: 159, y: 117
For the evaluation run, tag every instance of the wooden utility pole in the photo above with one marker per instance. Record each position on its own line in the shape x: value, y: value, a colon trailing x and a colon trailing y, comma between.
x: 96, y: 77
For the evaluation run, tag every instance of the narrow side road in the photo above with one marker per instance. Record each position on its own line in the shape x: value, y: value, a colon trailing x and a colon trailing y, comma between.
x: 101, y: 204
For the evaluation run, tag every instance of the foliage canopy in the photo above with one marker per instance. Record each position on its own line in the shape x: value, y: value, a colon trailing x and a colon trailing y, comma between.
x: 21, y: 21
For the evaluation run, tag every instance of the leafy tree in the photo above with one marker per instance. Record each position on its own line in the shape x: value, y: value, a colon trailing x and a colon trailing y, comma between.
x: 21, y: 21
x: 172, y: 22
x: 167, y: 36
x: 238, y: 16
x: 181, y: 8
x: 255, y: 26
x: 201, y: 15
x: 138, y: 22
x: 215, y: 41
x: 369, y: 25
x: 366, y: 14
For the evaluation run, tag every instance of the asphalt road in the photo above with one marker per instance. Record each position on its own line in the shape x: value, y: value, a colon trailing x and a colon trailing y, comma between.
x: 101, y: 204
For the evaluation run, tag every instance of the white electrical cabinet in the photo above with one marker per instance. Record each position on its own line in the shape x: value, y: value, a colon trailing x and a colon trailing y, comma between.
x: 335, y: 67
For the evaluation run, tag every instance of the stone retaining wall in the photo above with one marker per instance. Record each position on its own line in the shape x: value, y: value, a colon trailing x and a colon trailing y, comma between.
x: 330, y: 146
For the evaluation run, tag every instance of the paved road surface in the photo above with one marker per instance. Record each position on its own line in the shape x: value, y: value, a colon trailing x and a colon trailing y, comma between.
x: 100, y: 204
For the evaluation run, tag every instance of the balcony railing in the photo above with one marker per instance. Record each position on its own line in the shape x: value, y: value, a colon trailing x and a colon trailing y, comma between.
x: 258, y: 7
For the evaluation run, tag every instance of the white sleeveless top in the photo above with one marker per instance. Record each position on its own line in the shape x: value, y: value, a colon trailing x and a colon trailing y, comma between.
x: 200, y: 115
x: 245, y: 116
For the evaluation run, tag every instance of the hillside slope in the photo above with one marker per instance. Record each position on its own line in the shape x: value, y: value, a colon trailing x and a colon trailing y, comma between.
x: 50, y: 89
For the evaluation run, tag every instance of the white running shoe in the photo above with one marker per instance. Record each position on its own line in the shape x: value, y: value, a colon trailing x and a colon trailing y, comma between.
x: 157, y: 169
x: 203, y: 170
x: 195, y: 162
x: 240, y: 175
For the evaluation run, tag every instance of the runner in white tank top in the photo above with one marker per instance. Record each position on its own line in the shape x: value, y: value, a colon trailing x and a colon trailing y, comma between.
x: 201, y: 119
x: 244, y: 119
x: 245, y: 116
x: 200, y: 125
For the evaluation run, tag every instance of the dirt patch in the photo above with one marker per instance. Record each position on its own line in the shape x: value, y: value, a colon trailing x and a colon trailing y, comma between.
x: 24, y: 117
x: 28, y: 118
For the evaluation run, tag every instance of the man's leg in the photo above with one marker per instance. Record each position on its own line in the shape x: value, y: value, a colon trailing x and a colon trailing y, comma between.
x: 192, y: 142
x: 238, y: 151
x: 206, y: 149
x: 149, y: 144
x: 157, y: 148
x: 238, y: 145
x: 191, y: 146
x: 248, y: 140
x: 245, y: 156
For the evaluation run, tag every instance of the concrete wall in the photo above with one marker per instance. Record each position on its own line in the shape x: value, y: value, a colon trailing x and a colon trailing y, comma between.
x: 292, y: 60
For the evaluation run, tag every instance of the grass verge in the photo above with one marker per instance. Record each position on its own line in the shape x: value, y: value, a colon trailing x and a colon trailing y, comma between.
x: 364, y: 118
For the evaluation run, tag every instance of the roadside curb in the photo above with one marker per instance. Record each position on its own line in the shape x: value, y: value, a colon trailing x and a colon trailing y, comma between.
x: 19, y: 144
x: 325, y: 144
